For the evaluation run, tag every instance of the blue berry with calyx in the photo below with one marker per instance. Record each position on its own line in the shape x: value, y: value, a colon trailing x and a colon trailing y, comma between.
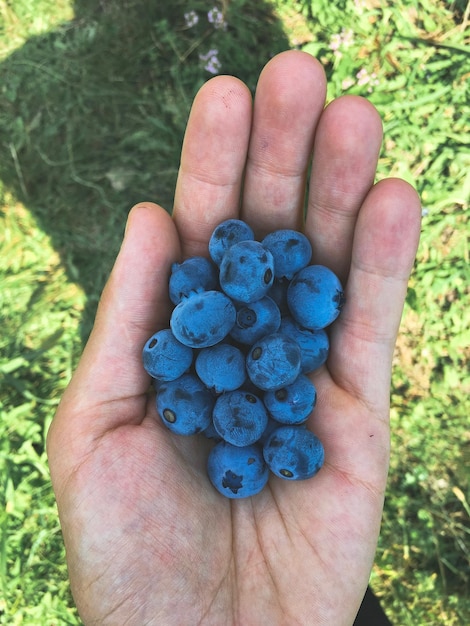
x: 185, y: 405
x: 256, y: 320
x: 294, y: 453
x: 164, y: 357
x: 192, y: 275
x: 315, y: 297
x: 314, y: 344
x: 239, y: 417
x: 246, y: 271
x: 203, y: 319
x: 291, y: 251
x: 293, y: 403
x: 237, y: 472
x: 225, y: 235
x: 221, y: 367
x: 273, y: 362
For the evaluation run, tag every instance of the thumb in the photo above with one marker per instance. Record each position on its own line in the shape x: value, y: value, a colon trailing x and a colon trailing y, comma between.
x: 135, y: 303
x: 109, y: 386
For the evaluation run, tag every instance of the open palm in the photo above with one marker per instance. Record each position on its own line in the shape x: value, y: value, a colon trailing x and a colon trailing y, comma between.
x: 148, y: 539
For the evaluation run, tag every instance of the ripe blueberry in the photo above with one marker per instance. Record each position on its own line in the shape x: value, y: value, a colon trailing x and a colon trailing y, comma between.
x: 221, y: 367
x: 203, y: 319
x: 164, y: 357
x: 246, y: 271
x: 237, y: 472
x: 273, y: 362
x: 314, y: 344
x: 256, y: 320
x: 293, y: 453
x: 227, y: 234
x: 293, y: 403
x: 315, y: 297
x: 185, y: 405
x: 192, y: 275
x: 291, y: 251
x: 239, y: 417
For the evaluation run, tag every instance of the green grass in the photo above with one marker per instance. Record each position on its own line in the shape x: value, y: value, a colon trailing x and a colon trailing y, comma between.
x: 40, y: 315
x: 91, y: 122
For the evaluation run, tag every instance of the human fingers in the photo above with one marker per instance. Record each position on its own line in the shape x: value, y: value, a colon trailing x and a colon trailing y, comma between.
x: 289, y: 99
x: 345, y: 154
x: 212, y: 161
x: 352, y: 413
x: 383, y: 251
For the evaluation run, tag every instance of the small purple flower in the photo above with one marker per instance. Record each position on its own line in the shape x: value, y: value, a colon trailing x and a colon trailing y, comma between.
x: 364, y: 78
x: 339, y: 41
x: 191, y: 18
x: 212, y: 63
x: 216, y: 18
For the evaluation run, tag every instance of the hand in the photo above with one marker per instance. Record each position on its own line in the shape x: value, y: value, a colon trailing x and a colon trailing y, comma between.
x: 148, y: 539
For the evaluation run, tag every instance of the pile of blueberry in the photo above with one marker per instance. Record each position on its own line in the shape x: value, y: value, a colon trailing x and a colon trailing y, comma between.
x: 247, y: 327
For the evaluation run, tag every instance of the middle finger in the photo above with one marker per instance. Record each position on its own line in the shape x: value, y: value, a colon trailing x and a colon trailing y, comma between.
x: 289, y: 99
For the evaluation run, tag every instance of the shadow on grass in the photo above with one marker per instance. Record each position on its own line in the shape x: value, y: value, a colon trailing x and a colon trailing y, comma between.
x: 92, y: 115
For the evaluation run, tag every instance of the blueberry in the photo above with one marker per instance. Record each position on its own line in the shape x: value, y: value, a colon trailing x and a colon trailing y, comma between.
x: 211, y: 433
x: 255, y: 313
x: 271, y: 427
x: 227, y: 234
x: 164, y: 357
x: 293, y: 453
x: 273, y: 362
x: 221, y: 367
x: 314, y: 344
x: 185, y: 405
x: 203, y: 319
x: 293, y: 403
x: 194, y: 274
x: 237, y: 472
x: 315, y: 297
x: 246, y: 271
x: 291, y: 251
x: 239, y: 417
x: 278, y: 293
x: 256, y: 320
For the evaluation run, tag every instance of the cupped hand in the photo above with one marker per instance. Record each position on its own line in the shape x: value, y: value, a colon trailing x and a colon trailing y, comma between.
x: 148, y: 539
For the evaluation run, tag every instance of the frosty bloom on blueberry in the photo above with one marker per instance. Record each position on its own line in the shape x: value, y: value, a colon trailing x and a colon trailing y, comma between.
x: 247, y: 328
x: 255, y: 320
x: 293, y: 453
x: 315, y: 297
x: 291, y: 251
x: 226, y: 235
x: 203, y: 319
x: 240, y: 417
x: 221, y: 367
x: 237, y: 472
x: 185, y: 405
x: 246, y: 271
x: 164, y: 357
x: 193, y: 275
x: 274, y: 362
